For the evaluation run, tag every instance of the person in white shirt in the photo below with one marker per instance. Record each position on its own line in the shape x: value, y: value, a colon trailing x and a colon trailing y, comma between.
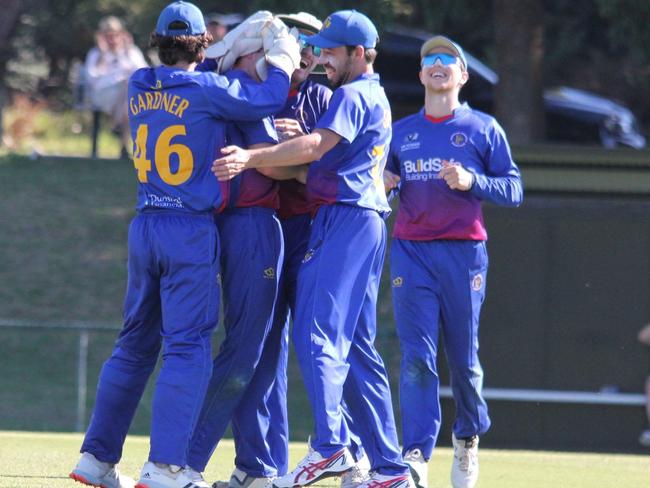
x: 108, y: 67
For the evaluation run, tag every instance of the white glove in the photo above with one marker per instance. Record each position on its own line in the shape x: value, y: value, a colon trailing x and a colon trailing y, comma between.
x: 281, y: 48
x: 244, y: 39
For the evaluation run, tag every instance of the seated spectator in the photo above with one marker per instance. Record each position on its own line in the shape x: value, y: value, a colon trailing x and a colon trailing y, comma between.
x: 108, y: 67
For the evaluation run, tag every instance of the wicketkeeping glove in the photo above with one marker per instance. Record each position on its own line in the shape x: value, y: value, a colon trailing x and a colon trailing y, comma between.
x: 244, y: 39
x: 281, y: 48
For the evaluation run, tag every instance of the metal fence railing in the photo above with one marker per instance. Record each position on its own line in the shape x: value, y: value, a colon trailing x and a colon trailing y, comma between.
x: 84, y: 329
x: 495, y: 394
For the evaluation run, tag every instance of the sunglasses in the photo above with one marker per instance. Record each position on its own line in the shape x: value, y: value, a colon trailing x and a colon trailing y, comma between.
x: 444, y: 58
x: 302, y: 41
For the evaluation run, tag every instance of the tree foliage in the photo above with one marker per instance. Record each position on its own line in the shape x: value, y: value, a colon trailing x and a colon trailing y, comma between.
x: 600, y: 45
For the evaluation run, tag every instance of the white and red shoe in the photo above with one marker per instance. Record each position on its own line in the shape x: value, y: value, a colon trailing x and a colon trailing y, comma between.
x: 315, y: 467
x: 377, y: 480
x: 92, y: 472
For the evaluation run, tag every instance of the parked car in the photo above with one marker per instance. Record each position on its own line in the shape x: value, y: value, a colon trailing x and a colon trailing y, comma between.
x: 572, y: 115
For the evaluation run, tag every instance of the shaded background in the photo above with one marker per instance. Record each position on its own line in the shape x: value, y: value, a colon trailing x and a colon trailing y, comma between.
x: 599, y: 45
x: 568, y: 280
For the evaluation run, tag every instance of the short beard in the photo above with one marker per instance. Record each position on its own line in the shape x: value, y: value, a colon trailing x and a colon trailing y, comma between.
x: 345, y: 76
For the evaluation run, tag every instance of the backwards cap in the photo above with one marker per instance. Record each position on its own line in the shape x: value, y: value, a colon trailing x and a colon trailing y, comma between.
x: 180, y: 19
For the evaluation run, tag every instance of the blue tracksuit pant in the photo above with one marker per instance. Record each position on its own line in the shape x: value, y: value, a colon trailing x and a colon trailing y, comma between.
x: 172, y: 299
x: 438, y: 289
x: 264, y: 451
x: 334, y: 333
x: 261, y: 430
x: 251, y: 259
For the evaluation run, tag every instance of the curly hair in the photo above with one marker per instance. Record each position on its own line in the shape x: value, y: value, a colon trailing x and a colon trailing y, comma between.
x: 172, y: 49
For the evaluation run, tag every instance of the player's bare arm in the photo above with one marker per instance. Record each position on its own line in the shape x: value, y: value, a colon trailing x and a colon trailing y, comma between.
x: 457, y: 177
x: 294, y: 152
x: 286, y: 173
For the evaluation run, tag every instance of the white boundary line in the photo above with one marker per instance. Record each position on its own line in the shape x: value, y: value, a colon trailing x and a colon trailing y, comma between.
x: 557, y: 396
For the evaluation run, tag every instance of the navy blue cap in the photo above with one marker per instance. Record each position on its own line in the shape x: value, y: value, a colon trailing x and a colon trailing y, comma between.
x: 180, y: 19
x: 346, y: 28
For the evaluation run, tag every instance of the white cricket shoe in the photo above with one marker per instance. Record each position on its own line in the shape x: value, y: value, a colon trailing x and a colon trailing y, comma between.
x: 315, y: 467
x: 644, y: 438
x: 90, y: 471
x: 418, y: 466
x: 155, y: 475
x: 377, y: 480
x: 464, y: 468
x: 358, y: 475
x: 240, y: 479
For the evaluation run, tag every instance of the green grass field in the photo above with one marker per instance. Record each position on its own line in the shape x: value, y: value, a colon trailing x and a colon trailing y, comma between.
x: 34, y: 460
x: 63, y: 250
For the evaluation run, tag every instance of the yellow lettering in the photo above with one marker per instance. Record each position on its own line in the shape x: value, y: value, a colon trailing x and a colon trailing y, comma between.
x: 181, y: 107
x: 166, y: 101
x: 133, y: 107
x: 149, y: 98
x: 141, y: 104
x: 172, y: 107
x: 157, y: 100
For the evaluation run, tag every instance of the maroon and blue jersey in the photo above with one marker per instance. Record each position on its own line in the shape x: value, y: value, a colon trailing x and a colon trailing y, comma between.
x: 351, y: 172
x: 178, y: 123
x: 250, y: 188
x: 306, y: 105
x: 421, y: 146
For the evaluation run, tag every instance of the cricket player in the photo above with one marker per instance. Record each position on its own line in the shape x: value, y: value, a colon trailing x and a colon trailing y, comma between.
x: 447, y: 158
x: 260, y: 427
x: 251, y: 260
x: 178, y: 120
x: 335, y: 317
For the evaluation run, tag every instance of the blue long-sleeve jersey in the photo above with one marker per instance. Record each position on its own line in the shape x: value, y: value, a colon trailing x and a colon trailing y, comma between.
x: 421, y: 146
x: 178, y: 123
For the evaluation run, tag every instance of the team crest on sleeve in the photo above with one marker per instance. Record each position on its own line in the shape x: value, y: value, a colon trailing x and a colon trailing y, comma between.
x: 477, y: 282
x: 458, y: 139
x: 308, y: 255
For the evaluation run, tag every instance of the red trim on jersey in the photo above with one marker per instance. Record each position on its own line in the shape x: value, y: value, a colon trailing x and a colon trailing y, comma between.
x: 437, y: 120
x: 292, y: 93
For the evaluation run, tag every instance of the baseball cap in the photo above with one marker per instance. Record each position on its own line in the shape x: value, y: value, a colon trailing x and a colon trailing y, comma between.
x: 180, y: 19
x: 442, y: 41
x: 346, y: 28
x: 301, y: 20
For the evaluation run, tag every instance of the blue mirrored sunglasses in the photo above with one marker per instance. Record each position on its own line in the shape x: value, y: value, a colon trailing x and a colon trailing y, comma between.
x: 445, y: 59
x: 302, y: 40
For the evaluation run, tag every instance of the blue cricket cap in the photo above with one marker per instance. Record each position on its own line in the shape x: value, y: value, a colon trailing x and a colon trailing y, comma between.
x: 180, y: 19
x: 346, y: 28
x: 442, y: 41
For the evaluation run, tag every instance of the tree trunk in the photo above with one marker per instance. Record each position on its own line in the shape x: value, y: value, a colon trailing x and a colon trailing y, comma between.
x: 519, y: 44
x: 11, y: 10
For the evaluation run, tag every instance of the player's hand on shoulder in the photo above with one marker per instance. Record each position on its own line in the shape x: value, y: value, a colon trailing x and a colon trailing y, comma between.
x: 456, y: 177
x: 390, y: 180
x: 288, y: 128
x: 231, y: 163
